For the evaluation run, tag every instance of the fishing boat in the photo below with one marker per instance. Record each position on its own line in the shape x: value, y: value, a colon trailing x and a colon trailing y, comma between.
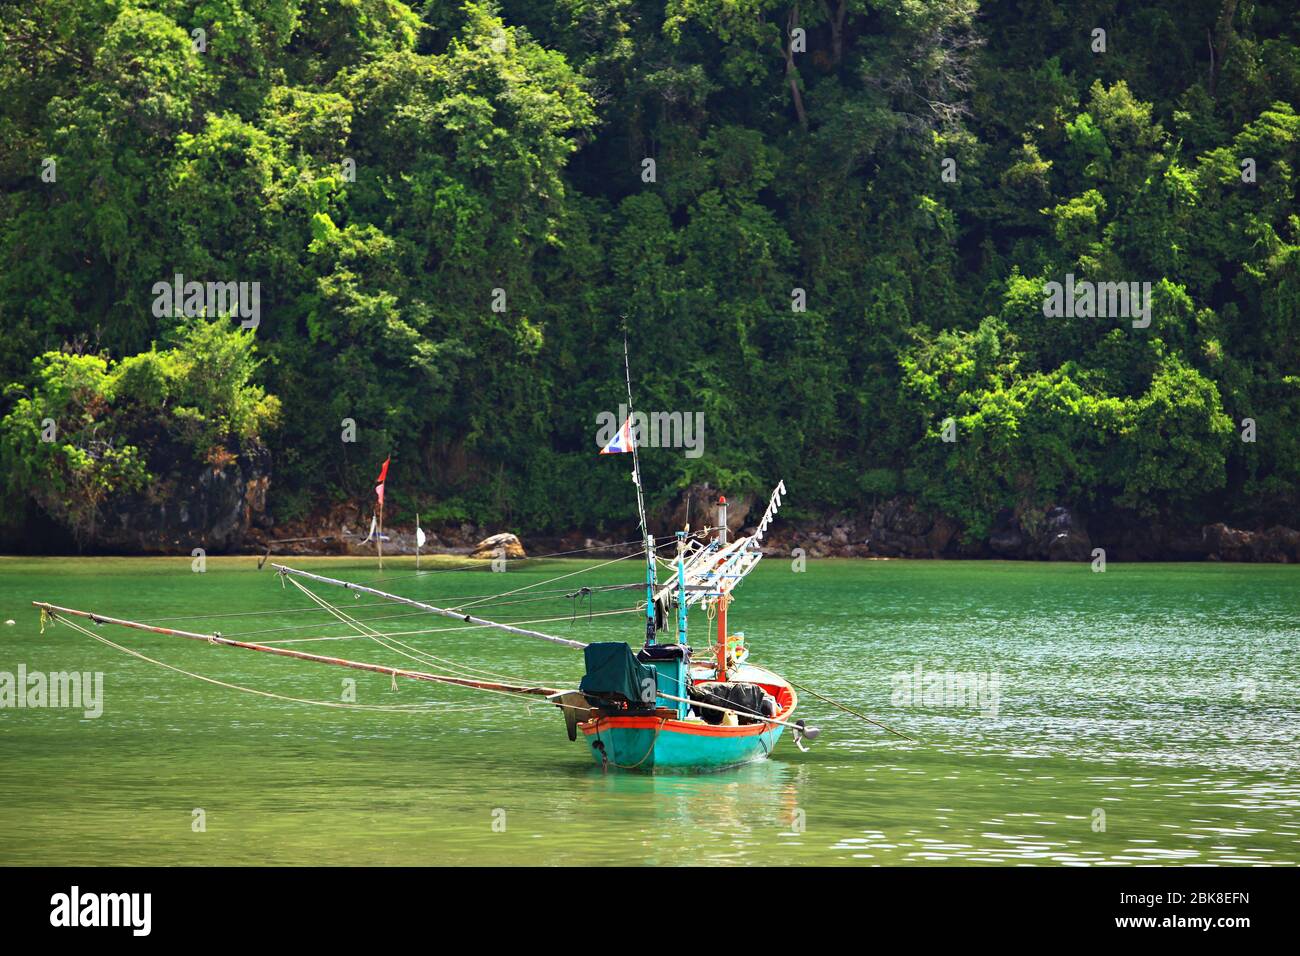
x: 660, y: 708
x: 657, y: 707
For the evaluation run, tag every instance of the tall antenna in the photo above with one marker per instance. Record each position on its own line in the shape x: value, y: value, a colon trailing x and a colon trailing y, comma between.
x: 646, y: 540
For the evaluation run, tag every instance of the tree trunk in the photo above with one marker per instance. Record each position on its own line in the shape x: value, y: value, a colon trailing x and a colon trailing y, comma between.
x: 791, y: 73
x: 836, y: 19
x: 1219, y: 41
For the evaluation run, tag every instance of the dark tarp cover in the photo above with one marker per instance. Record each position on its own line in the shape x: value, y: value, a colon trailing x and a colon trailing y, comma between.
x: 744, y: 697
x: 614, y: 672
x: 664, y: 652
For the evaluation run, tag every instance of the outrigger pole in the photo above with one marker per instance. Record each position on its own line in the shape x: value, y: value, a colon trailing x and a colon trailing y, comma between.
x: 55, y: 611
x: 445, y: 612
x: 215, y: 638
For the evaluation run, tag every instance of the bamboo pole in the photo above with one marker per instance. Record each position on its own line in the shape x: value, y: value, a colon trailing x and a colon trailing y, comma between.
x: 445, y: 612
x: 55, y: 610
x: 216, y: 638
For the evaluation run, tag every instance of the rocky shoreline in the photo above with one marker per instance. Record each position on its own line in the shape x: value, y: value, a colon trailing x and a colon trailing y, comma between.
x: 225, y: 511
x: 894, y: 529
x: 898, y: 530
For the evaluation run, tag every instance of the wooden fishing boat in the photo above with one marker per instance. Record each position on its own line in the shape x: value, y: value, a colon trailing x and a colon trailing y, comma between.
x: 702, y: 715
x: 660, y: 709
x: 661, y: 741
x: 670, y: 713
x: 657, y: 708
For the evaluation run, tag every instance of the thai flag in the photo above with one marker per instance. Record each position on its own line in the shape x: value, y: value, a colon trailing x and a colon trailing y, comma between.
x: 622, y: 442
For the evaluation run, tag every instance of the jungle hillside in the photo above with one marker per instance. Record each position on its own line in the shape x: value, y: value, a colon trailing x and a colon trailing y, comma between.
x: 882, y: 250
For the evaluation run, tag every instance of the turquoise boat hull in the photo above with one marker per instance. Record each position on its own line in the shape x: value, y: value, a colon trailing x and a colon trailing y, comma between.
x: 660, y: 743
x: 668, y: 748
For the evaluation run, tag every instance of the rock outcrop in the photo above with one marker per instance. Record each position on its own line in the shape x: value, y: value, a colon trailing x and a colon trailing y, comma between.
x: 210, y: 507
x: 1066, y: 542
x: 497, y: 544
x: 698, y: 504
x: 1276, y: 544
x: 1057, y: 534
x: 899, y: 529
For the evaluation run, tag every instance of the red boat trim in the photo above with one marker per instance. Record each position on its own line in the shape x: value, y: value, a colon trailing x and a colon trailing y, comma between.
x: 690, y: 727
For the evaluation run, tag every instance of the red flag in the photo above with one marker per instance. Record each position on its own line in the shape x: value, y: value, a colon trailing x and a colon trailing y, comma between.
x: 383, y: 476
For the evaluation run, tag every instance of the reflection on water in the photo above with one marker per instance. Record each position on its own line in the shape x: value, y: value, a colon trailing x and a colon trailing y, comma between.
x: 745, y: 805
x: 1148, y: 715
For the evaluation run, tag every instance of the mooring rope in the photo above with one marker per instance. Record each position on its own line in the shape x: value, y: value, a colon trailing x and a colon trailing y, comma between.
x: 849, y: 710
x: 632, y: 766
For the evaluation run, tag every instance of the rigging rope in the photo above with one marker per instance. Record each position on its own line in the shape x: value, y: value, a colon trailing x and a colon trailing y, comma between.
x: 640, y: 608
x: 393, y: 708
x: 298, y: 610
x: 480, y: 566
x: 461, y: 607
x: 390, y: 708
x: 480, y: 600
x: 401, y: 614
x: 416, y: 654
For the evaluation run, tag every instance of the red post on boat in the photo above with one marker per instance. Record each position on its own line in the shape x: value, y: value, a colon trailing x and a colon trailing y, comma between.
x: 722, y: 599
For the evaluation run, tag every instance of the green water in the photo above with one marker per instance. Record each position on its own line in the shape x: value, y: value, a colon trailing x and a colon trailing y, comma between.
x: 1165, y: 696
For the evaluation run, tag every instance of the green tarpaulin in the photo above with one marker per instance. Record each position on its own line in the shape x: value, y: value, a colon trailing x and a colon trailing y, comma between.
x: 613, y: 672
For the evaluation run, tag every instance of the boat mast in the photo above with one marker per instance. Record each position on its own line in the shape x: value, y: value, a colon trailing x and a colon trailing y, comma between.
x: 725, y: 596
x: 681, y: 587
x: 646, y: 539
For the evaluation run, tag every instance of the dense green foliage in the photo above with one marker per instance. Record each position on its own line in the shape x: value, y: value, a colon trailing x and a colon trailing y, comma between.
x: 501, y: 147
x: 91, y: 429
